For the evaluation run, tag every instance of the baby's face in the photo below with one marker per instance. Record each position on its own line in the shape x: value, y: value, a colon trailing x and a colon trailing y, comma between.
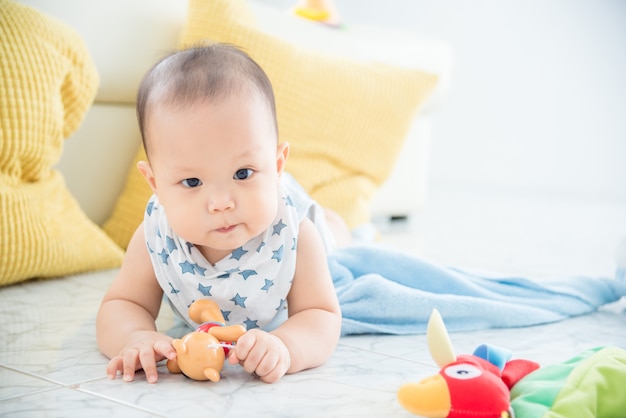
x: 216, y: 170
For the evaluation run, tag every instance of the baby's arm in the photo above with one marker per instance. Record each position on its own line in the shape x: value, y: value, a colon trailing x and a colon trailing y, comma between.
x: 125, y: 326
x: 310, y: 335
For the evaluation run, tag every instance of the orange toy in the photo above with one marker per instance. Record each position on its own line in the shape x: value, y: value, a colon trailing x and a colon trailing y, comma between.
x: 201, y: 353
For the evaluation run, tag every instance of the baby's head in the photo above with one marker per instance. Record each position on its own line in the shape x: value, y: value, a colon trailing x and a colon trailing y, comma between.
x: 210, y: 73
x: 208, y: 123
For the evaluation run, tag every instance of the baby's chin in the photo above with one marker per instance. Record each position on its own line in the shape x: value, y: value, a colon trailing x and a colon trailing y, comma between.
x: 225, y: 241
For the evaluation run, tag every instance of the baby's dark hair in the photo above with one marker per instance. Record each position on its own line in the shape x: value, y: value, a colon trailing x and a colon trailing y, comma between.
x: 202, y: 73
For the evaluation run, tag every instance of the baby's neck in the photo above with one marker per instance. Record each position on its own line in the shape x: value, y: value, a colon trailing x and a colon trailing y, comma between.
x: 213, y: 255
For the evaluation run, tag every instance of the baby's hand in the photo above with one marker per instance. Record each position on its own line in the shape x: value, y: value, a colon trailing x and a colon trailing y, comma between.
x: 142, y: 351
x: 261, y: 353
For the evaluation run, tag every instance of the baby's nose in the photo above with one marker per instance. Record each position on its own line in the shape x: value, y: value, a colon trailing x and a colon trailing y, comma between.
x: 220, y: 200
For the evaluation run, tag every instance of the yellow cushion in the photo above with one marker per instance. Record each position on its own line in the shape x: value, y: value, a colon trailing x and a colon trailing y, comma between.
x: 345, y: 120
x: 48, y: 84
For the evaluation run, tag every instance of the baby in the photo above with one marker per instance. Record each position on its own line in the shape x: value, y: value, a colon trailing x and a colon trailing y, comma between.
x: 225, y: 222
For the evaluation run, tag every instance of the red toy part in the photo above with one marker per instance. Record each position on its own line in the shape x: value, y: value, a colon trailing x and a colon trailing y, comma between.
x: 207, y: 326
x: 516, y: 369
x: 476, y: 388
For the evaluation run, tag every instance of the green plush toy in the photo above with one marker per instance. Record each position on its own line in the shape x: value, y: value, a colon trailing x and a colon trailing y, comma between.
x: 591, y: 384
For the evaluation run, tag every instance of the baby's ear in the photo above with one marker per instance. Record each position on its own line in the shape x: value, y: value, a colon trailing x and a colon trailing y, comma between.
x: 282, y: 152
x: 146, y: 171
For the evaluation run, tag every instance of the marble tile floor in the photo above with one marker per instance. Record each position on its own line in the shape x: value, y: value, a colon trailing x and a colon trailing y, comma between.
x: 50, y: 366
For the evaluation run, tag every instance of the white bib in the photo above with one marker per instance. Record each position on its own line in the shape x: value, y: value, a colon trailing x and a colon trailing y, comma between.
x: 251, y: 284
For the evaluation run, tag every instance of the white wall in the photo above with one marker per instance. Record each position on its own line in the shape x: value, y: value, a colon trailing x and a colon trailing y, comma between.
x: 538, y: 101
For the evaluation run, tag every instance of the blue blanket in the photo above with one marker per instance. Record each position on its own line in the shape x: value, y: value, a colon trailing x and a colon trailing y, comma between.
x: 387, y: 291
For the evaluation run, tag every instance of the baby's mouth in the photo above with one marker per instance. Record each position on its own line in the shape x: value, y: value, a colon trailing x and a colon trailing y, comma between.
x: 226, y: 229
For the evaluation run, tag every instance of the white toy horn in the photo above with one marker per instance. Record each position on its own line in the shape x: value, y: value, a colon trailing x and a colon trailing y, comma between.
x: 438, y: 340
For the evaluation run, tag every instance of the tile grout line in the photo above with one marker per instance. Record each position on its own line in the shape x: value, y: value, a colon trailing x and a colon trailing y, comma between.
x: 117, y: 401
x: 423, y: 363
x: 74, y: 387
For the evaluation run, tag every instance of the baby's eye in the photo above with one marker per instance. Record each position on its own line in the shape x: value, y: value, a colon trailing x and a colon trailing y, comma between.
x: 191, y: 182
x: 242, y: 174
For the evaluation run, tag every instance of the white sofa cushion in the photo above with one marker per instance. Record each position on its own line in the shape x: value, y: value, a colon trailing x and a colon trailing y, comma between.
x: 125, y: 38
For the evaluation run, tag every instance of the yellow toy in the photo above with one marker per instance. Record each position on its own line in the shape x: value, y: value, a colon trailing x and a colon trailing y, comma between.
x: 322, y: 11
x: 201, y: 353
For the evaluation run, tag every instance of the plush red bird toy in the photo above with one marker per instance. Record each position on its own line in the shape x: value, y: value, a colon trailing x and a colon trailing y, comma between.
x: 476, y: 385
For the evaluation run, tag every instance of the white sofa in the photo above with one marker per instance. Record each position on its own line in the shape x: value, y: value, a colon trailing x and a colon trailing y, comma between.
x: 126, y: 37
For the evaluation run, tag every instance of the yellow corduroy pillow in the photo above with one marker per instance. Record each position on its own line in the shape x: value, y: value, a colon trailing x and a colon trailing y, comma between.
x: 345, y: 120
x: 48, y: 82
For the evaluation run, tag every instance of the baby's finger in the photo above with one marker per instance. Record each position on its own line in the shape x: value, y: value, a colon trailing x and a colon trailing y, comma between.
x: 130, y: 365
x: 253, y: 359
x: 274, y: 375
x: 245, y: 343
x: 148, y: 363
x: 165, y: 350
x: 267, y: 364
x: 232, y: 357
x: 115, y: 365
